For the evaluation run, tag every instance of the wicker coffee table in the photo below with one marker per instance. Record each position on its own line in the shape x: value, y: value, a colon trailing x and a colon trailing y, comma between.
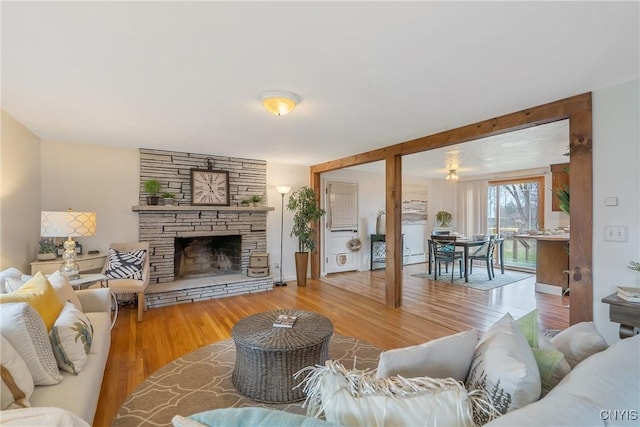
x: 267, y: 357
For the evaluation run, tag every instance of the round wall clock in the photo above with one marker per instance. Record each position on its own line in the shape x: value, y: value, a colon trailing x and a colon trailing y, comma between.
x: 209, y: 187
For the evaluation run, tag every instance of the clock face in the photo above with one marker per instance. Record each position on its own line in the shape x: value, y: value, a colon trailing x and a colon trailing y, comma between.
x: 209, y: 187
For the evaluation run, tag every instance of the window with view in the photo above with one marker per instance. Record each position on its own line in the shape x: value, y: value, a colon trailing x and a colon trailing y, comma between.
x: 516, y: 209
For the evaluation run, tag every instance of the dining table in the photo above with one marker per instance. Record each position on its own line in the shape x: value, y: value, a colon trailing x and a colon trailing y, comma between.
x: 465, y: 244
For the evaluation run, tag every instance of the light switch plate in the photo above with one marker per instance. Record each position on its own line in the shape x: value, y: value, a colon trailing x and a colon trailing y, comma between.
x: 615, y: 233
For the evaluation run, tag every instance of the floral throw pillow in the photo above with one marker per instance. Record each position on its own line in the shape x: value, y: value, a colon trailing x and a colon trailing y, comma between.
x: 125, y: 265
x: 71, y: 338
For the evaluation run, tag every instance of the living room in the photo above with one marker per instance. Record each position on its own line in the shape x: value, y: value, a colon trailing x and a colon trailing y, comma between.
x: 51, y: 162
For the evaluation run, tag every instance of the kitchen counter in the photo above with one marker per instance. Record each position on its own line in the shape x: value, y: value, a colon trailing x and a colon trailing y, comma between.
x: 552, y: 259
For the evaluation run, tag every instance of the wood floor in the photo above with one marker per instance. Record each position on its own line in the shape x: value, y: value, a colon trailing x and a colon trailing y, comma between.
x: 353, y: 301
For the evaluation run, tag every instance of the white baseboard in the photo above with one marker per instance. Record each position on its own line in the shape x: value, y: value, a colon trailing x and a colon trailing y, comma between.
x: 548, y: 289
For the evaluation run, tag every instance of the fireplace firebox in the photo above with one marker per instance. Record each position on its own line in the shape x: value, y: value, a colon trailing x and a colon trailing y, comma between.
x: 207, y: 256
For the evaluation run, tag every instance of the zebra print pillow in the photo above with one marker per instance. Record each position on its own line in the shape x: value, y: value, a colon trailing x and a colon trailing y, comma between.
x: 125, y: 265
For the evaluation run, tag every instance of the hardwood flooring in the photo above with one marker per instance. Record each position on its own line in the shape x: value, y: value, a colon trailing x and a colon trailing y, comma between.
x: 353, y: 301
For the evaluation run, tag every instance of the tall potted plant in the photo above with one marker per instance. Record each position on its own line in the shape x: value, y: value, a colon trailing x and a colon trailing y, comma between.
x: 306, y: 212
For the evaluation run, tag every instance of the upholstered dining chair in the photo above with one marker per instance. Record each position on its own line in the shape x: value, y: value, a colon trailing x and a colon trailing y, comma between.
x: 485, y: 253
x: 127, y: 270
x: 444, y: 250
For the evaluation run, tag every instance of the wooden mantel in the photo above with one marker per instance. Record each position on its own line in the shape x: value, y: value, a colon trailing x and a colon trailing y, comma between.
x: 191, y: 208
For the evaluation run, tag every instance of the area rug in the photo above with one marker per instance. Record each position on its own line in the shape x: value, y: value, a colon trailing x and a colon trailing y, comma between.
x: 479, y: 280
x: 201, y: 381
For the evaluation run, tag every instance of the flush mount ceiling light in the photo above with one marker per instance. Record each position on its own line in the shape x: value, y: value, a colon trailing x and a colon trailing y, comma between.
x: 279, y: 102
x: 453, y: 176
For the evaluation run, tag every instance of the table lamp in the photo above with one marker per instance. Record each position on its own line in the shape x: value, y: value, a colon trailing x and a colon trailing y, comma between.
x: 68, y: 224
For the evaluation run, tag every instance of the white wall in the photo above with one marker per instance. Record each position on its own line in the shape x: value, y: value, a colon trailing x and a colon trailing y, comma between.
x: 616, y: 153
x: 295, y: 177
x: 19, y: 195
x: 94, y: 178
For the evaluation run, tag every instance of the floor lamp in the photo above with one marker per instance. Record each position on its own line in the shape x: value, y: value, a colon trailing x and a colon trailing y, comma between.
x: 282, y: 189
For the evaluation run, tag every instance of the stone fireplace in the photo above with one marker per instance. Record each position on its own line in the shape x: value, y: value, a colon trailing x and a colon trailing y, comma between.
x: 201, y: 252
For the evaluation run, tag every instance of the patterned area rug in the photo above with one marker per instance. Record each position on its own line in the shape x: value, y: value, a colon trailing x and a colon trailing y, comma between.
x: 479, y: 279
x: 201, y: 381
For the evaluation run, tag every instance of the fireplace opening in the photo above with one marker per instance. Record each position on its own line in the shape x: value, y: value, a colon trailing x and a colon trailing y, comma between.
x: 207, y: 256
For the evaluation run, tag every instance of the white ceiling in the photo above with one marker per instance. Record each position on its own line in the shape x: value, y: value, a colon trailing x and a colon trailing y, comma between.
x: 185, y: 76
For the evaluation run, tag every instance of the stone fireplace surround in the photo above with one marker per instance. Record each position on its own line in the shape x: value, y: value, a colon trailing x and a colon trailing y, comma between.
x: 160, y: 225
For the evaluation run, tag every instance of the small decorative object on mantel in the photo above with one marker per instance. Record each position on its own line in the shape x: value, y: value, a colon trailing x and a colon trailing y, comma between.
x: 209, y: 187
x: 444, y: 218
x: 152, y: 187
x: 168, y: 199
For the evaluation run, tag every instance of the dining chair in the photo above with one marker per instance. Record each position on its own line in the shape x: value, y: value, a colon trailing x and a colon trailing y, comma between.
x: 484, y: 253
x: 444, y: 250
x: 127, y: 270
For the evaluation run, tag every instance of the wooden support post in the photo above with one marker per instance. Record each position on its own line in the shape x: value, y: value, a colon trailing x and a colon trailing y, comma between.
x: 393, y: 206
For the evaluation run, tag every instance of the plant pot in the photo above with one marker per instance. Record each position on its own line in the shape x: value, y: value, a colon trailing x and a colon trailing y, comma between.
x: 168, y: 201
x: 152, y: 200
x: 44, y: 257
x: 302, y: 260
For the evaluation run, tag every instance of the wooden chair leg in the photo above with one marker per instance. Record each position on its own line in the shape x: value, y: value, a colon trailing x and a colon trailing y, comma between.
x: 141, y: 307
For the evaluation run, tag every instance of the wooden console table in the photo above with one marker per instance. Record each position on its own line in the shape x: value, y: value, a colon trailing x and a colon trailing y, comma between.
x: 624, y: 312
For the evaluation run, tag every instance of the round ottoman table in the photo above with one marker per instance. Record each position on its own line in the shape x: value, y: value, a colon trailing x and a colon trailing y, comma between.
x: 267, y: 357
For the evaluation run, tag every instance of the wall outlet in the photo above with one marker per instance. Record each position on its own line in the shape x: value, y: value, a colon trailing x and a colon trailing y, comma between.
x: 277, y: 266
x: 615, y: 233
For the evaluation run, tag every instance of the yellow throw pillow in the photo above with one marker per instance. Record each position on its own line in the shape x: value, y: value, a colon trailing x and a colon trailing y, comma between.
x: 39, y: 294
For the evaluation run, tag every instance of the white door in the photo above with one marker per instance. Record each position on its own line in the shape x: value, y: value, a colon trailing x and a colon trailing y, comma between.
x: 341, y: 231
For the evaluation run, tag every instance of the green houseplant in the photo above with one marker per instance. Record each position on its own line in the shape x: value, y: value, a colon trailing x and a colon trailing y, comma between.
x: 152, y: 187
x: 306, y: 213
x: 47, y: 249
x: 444, y: 218
x: 168, y: 198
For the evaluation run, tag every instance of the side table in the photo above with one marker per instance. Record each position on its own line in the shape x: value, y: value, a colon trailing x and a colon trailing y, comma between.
x: 90, y: 279
x: 267, y: 357
x: 624, y: 312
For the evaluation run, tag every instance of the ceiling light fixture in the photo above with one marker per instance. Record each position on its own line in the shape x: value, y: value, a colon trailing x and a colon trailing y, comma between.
x: 453, y: 176
x: 279, y: 102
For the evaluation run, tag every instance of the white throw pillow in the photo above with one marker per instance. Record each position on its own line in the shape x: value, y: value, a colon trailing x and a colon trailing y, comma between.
x: 504, y: 367
x: 359, y: 398
x: 6, y: 274
x: 23, y: 327
x: 578, y: 342
x: 71, y: 338
x: 41, y: 416
x: 17, y: 382
x: 446, y: 357
x: 63, y: 289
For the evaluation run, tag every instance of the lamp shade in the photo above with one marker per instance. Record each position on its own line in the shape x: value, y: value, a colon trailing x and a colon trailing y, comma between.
x: 67, y: 224
x: 283, y: 189
x: 279, y: 102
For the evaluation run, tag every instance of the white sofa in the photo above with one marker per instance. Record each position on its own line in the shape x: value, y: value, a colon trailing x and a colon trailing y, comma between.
x: 601, y: 390
x: 78, y: 394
